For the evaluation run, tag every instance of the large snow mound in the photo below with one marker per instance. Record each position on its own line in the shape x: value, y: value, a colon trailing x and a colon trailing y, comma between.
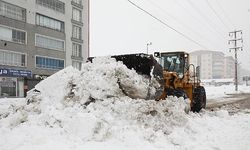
x: 88, y: 110
x: 98, y: 80
x: 93, y: 102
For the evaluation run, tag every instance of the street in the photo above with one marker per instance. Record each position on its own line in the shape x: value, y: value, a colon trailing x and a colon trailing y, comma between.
x: 233, y: 103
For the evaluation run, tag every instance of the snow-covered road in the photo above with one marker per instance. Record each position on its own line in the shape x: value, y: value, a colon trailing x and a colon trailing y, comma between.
x: 225, y: 97
x: 243, y: 100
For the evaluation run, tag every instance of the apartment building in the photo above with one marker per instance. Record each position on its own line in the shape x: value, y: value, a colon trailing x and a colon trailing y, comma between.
x: 211, y: 63
x: 229, y: 69
x: 38, y: 38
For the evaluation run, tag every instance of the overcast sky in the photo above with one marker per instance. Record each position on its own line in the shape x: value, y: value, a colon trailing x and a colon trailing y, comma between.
x: 118, y: 27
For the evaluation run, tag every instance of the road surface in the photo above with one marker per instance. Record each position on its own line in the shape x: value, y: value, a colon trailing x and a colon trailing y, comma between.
x: 232, y: 103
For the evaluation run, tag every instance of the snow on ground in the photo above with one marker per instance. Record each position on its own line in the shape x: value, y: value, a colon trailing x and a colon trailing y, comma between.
x: 87, y: 110
x: 218, y: 92
x: 224, y: 90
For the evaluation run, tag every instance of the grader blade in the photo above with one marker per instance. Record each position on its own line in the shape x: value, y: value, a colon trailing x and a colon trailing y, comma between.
x: 146, y: 66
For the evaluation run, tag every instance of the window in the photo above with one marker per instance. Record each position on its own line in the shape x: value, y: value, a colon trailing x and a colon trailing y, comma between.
x: 18, y: 36
x: 77, y: 15
x: 8, y: 86
x: 77, y: 32
x: 49, y: 63
x: 49, y: 43
x: 12, y: 58
x: 12, y: 35
x: 77, y: 50
x: 77, y: 64
x: 12, y: 11
x: 48, y: 22
x: 52, y: 4
x: 78, y: 2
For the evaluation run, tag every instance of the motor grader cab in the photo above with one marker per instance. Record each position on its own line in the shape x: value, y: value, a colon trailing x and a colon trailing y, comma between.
x: 181, y: 79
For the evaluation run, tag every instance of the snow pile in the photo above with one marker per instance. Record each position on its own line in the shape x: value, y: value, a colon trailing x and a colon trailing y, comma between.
x: 213, y: 131
x: 91, y: 105
x: 8, y: 106
x: 104, y: 78
x: 113, y: 126
x: 11, y: 110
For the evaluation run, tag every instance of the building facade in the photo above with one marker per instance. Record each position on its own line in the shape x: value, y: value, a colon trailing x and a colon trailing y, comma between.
x: 38, y: 38
x: 229, y: 69
x: 211, y: 63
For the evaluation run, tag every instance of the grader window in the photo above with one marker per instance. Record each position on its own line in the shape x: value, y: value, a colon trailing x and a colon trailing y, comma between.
x: 173, y: 63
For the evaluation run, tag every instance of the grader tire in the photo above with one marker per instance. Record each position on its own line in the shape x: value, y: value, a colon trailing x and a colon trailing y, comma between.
x: 176, y: 92
x: 199, y: 99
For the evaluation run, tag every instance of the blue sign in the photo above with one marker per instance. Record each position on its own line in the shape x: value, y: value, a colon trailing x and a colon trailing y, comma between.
x: 15, y: 73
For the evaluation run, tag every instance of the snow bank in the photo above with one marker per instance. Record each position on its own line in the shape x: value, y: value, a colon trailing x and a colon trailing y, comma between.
x: 11, y: 111
x: 213, y: 131
x: 98, y: 80
x: 88, y: 110
x: 215, y: 92
x: 91, y: 105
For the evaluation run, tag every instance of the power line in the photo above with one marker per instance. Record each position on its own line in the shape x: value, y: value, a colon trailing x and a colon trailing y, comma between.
x: 178, y: 21
x: 204, y: 16
x: 208, y: 25
x: 217, y: 15
x: 225, y: 14
x: 182, y: 34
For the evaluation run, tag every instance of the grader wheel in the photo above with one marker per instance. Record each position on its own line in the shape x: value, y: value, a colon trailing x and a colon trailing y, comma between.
x: 176, y: 92
x: 199, y: 99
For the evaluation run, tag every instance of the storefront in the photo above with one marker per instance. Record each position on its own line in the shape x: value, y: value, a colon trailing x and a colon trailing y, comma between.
x: 12, y: 82
x: 30, y: 83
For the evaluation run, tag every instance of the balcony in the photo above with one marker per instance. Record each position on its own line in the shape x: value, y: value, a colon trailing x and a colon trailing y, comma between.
x: 76, y: 22
x: 77, y: 58
x: 78, y: 5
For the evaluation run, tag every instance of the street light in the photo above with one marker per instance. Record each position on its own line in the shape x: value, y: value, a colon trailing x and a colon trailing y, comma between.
x: 150, y: 43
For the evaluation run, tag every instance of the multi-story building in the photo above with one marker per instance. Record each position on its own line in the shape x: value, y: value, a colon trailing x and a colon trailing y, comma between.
x: 229, y: 67
x: 38, y: 38
x: 211, y: 63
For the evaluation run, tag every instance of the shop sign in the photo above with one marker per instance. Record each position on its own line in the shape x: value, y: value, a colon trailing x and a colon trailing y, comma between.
x: 15, y: 73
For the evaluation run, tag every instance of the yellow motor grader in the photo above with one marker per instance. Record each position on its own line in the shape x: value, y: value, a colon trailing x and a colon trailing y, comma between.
x: 181, y: 79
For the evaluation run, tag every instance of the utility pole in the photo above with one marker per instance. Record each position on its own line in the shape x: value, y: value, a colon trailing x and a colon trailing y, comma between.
x: 235, y: 40
x: 150, y: 43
